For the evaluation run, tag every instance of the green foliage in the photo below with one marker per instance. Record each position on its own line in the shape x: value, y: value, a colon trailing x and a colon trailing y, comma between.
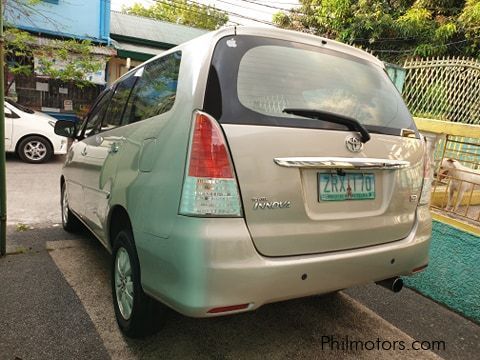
x: 181, y: 12
x: 414, y: 21
x: 446, y: 31
x: 392, y: 29
x: 470, y: 22
x: 22, y: 227
x: 74, y: 56
x: 433, y: 95
x: 18, y: 50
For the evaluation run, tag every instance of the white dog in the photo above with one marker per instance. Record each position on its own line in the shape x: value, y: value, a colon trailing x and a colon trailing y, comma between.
x: 462, y: 179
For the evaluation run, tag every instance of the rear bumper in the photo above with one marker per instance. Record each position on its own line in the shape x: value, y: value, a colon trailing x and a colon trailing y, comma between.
x: 210, y: 263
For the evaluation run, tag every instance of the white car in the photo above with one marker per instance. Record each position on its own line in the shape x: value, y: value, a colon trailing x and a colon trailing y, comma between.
x: 30, y: 134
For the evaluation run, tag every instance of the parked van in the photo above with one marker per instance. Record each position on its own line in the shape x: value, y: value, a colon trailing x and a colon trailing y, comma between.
x: 245, y: 167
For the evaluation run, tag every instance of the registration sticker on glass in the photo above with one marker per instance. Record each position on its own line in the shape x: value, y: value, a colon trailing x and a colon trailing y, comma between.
x: 348, y: 186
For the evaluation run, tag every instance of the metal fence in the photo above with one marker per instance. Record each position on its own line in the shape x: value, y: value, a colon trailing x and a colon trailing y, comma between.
x: 456, y: 189
x: 446, y: 88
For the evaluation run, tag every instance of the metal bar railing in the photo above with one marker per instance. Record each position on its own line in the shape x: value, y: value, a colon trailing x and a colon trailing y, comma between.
x: 457, y: 185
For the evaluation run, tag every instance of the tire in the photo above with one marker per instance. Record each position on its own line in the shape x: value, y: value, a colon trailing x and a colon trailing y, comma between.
x: 137, y: 314
x: 35, y: 150
x: 70, y: 221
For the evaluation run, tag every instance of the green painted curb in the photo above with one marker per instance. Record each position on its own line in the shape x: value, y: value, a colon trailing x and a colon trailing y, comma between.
x: 453, y: 274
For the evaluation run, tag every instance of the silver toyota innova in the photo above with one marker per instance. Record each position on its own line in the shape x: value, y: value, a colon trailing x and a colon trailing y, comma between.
x: 244, y: 167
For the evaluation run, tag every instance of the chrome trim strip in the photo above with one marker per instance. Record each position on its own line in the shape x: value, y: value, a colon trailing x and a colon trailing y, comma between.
x: 342, y: 163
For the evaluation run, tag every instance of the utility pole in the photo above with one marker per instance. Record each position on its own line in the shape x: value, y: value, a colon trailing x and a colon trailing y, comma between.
x: 3, y: 182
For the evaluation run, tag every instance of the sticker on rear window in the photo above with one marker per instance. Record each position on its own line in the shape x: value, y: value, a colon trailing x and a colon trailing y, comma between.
x: 232, y: 43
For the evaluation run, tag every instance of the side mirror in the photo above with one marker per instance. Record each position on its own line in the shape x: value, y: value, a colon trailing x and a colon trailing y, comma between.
x: 65, y: 128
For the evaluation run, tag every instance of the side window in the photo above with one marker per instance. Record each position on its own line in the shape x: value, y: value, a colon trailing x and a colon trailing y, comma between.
x: 113, y: 117
x: 10, y: 114
x: 155, y: 90
x: 96, y: 115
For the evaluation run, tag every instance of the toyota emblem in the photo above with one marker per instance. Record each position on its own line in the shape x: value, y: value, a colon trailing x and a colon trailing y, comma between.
x: 353, y: 144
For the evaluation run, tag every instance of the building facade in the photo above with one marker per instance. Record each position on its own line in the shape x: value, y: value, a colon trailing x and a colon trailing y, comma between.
x: 120, y: 41
x: 77, y: 19
x: 61, y: 20
x: 138, y: 39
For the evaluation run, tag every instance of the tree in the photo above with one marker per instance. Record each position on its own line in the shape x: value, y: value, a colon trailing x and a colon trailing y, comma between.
x: 393, y: 29
x: 182, y: 12
x: 65, y: 60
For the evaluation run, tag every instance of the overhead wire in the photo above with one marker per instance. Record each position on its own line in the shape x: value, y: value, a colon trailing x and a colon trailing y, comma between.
x: 234, y: 13
x: 243, y: 7
x: 268, y: 6
x: 434, y: 47
x: 175, y: 4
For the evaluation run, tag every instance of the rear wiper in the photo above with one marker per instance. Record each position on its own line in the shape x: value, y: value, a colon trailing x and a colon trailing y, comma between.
x: 349, y: 122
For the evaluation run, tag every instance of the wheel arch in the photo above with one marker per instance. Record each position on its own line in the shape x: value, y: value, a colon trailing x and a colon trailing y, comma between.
x: 118, y: 219
x: 62, y: 181
x: 19, y: 141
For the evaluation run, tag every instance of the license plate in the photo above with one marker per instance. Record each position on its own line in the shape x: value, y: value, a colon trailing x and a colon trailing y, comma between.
x: 351, y: 186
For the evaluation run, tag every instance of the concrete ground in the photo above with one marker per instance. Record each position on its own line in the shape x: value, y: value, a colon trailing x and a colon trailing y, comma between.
x: 33, y: 195
x: 55, y: 303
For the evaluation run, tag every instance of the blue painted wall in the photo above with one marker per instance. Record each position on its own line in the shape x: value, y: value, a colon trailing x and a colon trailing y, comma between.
x: 80, y: 19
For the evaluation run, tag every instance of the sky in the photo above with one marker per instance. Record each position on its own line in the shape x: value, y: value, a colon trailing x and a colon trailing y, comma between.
x: 262, y: 11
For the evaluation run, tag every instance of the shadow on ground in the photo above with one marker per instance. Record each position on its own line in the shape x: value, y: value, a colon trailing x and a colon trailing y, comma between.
x: 292, y: 329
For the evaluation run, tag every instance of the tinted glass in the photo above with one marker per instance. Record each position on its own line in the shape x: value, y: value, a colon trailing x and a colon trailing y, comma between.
x: 113, y: 117
x: 271, y: 78
x: 155, y: 90
x: 95, y: 117
x: 259, y: 77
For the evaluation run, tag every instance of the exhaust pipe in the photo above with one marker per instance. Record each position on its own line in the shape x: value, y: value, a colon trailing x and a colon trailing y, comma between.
x: 394, y: 284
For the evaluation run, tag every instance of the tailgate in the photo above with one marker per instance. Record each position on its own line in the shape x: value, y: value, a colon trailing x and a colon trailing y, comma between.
x: 297, y: 207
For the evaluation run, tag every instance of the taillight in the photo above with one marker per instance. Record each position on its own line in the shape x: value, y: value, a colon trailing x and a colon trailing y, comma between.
x: 426, y: 194
x: 210, y: 187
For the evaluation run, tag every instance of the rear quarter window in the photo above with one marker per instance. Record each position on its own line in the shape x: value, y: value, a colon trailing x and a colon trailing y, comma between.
x: 155, y: 90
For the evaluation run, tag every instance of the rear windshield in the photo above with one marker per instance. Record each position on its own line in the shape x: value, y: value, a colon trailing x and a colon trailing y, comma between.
x: 256, y: 78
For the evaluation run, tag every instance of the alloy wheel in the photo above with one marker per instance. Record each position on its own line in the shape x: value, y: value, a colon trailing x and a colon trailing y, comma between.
x: 124, y: 283
x: 35, y: 150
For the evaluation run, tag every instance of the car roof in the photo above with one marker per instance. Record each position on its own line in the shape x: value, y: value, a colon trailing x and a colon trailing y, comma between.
x: 271, y: 32
x: 297, y: 36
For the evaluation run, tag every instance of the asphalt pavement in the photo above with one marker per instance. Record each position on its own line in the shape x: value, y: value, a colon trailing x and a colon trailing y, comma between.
x: 55, y: 303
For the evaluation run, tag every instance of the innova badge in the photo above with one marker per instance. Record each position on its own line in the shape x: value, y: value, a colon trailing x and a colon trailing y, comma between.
x: 353, y: 144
